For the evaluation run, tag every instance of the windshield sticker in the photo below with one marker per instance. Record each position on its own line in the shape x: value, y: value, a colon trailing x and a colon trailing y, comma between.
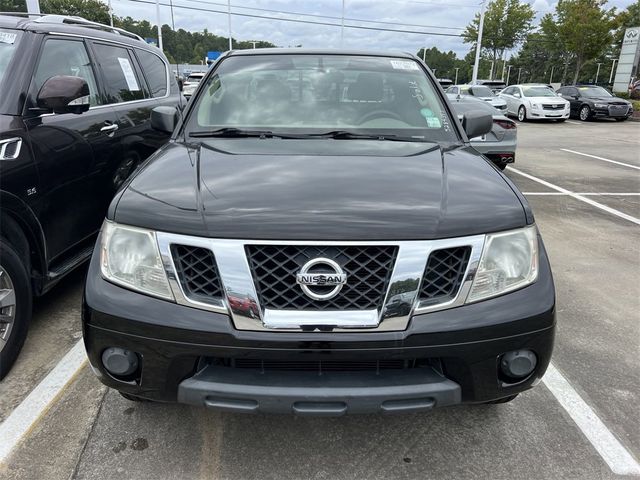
x: 129, y: 76
x: 9, y: 38
x: 404, y: 65
x: 433, y: 122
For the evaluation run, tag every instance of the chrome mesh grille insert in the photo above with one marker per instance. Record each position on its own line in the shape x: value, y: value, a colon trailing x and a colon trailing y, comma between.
x: 197, y: 272
x: 444, y: 274
x: 368, y: 269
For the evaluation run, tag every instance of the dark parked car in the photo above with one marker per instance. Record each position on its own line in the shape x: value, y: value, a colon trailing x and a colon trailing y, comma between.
x: 321, y: 246
x: 592, y: 101
x: 75, y: 104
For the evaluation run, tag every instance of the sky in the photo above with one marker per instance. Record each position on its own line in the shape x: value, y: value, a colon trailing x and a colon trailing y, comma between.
x: 416, y: 15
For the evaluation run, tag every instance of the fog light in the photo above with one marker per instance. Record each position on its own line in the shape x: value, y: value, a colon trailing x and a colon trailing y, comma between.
x: 519, y: 363
x: 119, y: 362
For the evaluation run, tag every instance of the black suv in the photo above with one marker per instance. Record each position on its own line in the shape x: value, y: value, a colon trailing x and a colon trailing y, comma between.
x: 75, y: 101
x: 319, y: 237
x: 592, y: 101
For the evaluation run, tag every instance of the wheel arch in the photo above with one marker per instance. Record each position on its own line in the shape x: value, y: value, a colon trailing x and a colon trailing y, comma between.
x: 20, y: 227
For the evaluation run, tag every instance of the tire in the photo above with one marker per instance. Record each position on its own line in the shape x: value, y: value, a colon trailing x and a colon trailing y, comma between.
x: 585, y: 113
x: 501, y: 400
x: 15, y: 306
x: 522, y: 114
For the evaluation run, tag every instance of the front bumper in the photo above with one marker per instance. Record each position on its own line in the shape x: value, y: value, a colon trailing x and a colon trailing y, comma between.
x: 187, y: 354
x: 542, y: 114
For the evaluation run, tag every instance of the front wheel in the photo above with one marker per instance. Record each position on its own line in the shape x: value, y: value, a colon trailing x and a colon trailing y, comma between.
x: 585, y: 113
x: 522, y: 113
x: 15, y: 306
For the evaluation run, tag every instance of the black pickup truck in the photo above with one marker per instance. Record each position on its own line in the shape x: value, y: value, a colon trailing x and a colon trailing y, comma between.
x: 319, y: 238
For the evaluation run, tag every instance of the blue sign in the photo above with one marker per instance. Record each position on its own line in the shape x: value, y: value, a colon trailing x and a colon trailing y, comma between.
x: 211, y: 56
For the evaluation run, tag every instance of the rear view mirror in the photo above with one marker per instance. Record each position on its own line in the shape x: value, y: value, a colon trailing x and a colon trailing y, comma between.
x: 164, y: 118
x: 64, y: 94
x: 477, y: 123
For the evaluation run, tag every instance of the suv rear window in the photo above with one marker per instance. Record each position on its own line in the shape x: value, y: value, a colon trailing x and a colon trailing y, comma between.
x: 122, y: 83
x: 315, y: 94
x: 155, y: 72
x: 8, y: 43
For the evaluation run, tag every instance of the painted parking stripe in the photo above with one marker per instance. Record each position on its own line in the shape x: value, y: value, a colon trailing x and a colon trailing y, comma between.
x: 573, y: 122
x: 618, y: 458
x: 588, y: 194
x: 601, y: 158
x: 577, y: 196
x: 26, y: 415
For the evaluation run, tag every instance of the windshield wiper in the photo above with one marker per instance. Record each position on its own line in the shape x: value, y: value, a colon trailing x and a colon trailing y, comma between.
x: 232, y: 132
x: 347, y: 135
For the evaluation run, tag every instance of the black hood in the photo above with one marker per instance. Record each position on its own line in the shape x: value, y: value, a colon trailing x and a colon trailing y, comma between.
x: 607, y: 100
x: 327, y: 190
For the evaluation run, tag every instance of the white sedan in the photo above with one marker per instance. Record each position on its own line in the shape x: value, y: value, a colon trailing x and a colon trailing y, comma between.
x: 535, y: 102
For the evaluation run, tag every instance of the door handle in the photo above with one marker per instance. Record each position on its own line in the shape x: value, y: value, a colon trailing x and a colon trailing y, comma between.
x: 110, y: 129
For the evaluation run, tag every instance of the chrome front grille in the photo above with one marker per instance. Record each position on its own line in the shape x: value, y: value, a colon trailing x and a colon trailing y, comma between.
x: 254, y: 282
x: 368, y: 269
x: 547, y: 106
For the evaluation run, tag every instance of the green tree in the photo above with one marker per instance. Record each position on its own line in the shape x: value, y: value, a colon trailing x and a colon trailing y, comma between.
x: 582, y: 28
x: 93, y: 10
x: 13, y: 6
x: 506, y: 24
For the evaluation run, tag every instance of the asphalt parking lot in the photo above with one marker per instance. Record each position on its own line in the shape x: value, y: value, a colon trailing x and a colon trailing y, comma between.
x: 581, y: 422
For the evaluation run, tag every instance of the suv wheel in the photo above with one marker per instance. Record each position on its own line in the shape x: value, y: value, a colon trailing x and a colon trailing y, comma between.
x: 585, y: 113
x: 15, y: 306
x: 522, y: 113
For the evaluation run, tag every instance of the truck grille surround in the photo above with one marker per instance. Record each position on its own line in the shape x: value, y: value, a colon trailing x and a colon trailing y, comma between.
x: 274, y: 269
x: 378, y: 286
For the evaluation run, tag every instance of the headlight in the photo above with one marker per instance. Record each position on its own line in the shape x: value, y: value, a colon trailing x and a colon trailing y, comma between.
x: 509, y: 261
x: 129, y: 257
x: 600, y: 105
x: 534, y: 105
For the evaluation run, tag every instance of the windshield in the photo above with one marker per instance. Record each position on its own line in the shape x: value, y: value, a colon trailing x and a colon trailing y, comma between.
x: 594, y: 92
x: 480, y: 91
x: 194, y: 78
x: 311, y: 95
x: 538, y: 92
x: 8, y: 45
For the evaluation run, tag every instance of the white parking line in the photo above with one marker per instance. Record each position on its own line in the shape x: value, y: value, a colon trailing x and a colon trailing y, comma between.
x: 26, y: 415
x: 618, y: 458
x: 573, y: 122
x: 588, y: 194
x: 577, y: 196
x: 601, y: 158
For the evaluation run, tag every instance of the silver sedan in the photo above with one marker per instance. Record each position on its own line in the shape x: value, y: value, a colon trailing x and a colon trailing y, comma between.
x: 479, y: 91
x: 499, y: 145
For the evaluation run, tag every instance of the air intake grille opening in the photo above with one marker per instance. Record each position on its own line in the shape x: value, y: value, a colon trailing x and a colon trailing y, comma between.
x: 368, y: 269
x: 197, y: 272
x: 444, y: 274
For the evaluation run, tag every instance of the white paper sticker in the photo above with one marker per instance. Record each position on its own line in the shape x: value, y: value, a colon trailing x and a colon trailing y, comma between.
x: 6, y: 37
x: 129, y: 76
x: 433, y: 122
x: 404, y: 65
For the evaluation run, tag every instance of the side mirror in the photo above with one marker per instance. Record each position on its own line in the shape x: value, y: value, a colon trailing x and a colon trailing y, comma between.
x: 64, y: 94
x: 477, y: 123
x: 164, y: 119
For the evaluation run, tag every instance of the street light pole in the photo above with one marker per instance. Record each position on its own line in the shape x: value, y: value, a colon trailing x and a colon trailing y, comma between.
x: 342, y: 25
x: 519, y: 71
x: 455, y: 82
x: 491, y: 71
x: 229, y: 23
x: 613, y: 65
x: 598, y: 72
x: 424, y: 55
x: 110, y: 14
x: 476, y: 63
x: 551, y: 76
x: 254, y: 44
x: 504, y: 66
x: 159, y: 24
x: 508, y: 75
